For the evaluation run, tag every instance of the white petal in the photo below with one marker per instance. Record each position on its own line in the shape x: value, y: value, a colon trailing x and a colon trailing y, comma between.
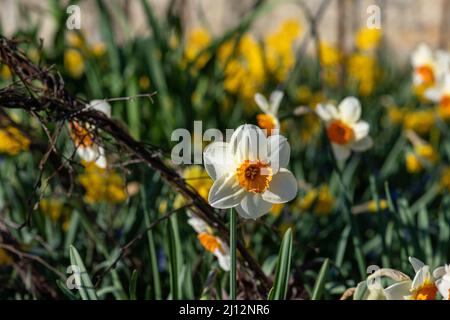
x: 444, y: 288
x: 439, y: 272
x: 102, y: 106
x: 282, y: 188
x: 218, y: 159
x: 350, y: 110
x: 262, y: 103
x: 278, y: 151
x: 225, y: 192
x: 422, y: 55
x: 361, y: 129
x: 223, y: 259
x: 197, y: 224
x: 275, y: 101
x: 327, y: 112
x: 88, y: 154
x: 362, y: 145
x: 398, y: 290
x: 416, y: 264
x: 422, y: 276
x: 340, y: 152
x: 433, y: 94
x: 253, y: 206
x: 249, y: 142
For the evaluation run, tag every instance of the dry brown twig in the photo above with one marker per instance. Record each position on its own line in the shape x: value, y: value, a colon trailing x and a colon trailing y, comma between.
x: 41, y: 92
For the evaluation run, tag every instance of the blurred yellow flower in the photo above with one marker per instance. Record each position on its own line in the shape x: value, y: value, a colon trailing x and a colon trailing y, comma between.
x: 423, y: 153
x: 102, y: 184
x: 5, y: 259
x: 277, y: 209
x: 244, y: 72
x: 329, y: 55
x: 368, y: 39
x: 52, y: 208
x: 197, y: 40
x: 98, y: 49
x: 12, y: 141
x: 319, y: 200
x: 279, y: 49
x: 420, y: 121
x: 371, y: 207
x: 5, y: 72
x: 197, y: 178
x: 74, y: 39
x: 363, y: 70
x: 144, y: 82
x: 74, y: 63
x: 395, y: 115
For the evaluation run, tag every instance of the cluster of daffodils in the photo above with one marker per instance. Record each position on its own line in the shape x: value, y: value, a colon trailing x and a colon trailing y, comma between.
x: 426, y: 285
x: 13, y: 141
x: 345, y: 130
x: 249, y: 172
x: 247, y: 64
x: 361, y: 66
x: 210, y: 242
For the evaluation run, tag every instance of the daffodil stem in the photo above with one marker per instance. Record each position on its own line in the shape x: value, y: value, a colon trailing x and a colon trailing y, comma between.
x: 233, y: 219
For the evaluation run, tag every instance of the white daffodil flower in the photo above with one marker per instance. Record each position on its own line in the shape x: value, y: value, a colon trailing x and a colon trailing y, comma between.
x: 429, y: 68
x: 250, y: 172
x: 344, y: 128
x: 84, y: 142
x: 268, y: 120
x: 442, y: 274
x: 210, y: 242
x: 422, y: 287
x: 440, y: 94
x: 424, y: 65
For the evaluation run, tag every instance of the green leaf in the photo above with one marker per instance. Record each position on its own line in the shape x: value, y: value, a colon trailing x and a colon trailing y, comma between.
x: 320, y: 281
x: 280, y: 285
x: 133, y: 285
x: 87, y: 290
x: 173, y: 263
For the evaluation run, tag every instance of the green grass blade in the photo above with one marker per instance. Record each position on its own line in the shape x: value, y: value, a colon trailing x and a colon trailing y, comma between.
x: 87, y: 290
x: 320, y: 281
x: 280, y: 286
x: 133, y: 285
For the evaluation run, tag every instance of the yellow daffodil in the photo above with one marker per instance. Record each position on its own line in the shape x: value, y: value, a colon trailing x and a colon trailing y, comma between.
x: 345, y: 130
x: 197, y: 178
x: 329, y: 55
x: 318, y: 200
x: 250, y: 172
x: 420, y: 121
x: 368, y: 39
x: 74, y: 63
x: 13, y: 141
x: 362, y: 69
x: 102, y: 185
x: 371, y: 206
x: 198, y: 39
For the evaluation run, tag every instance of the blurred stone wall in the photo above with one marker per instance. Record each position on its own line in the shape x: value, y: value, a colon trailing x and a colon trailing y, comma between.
x: 404, y: 22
